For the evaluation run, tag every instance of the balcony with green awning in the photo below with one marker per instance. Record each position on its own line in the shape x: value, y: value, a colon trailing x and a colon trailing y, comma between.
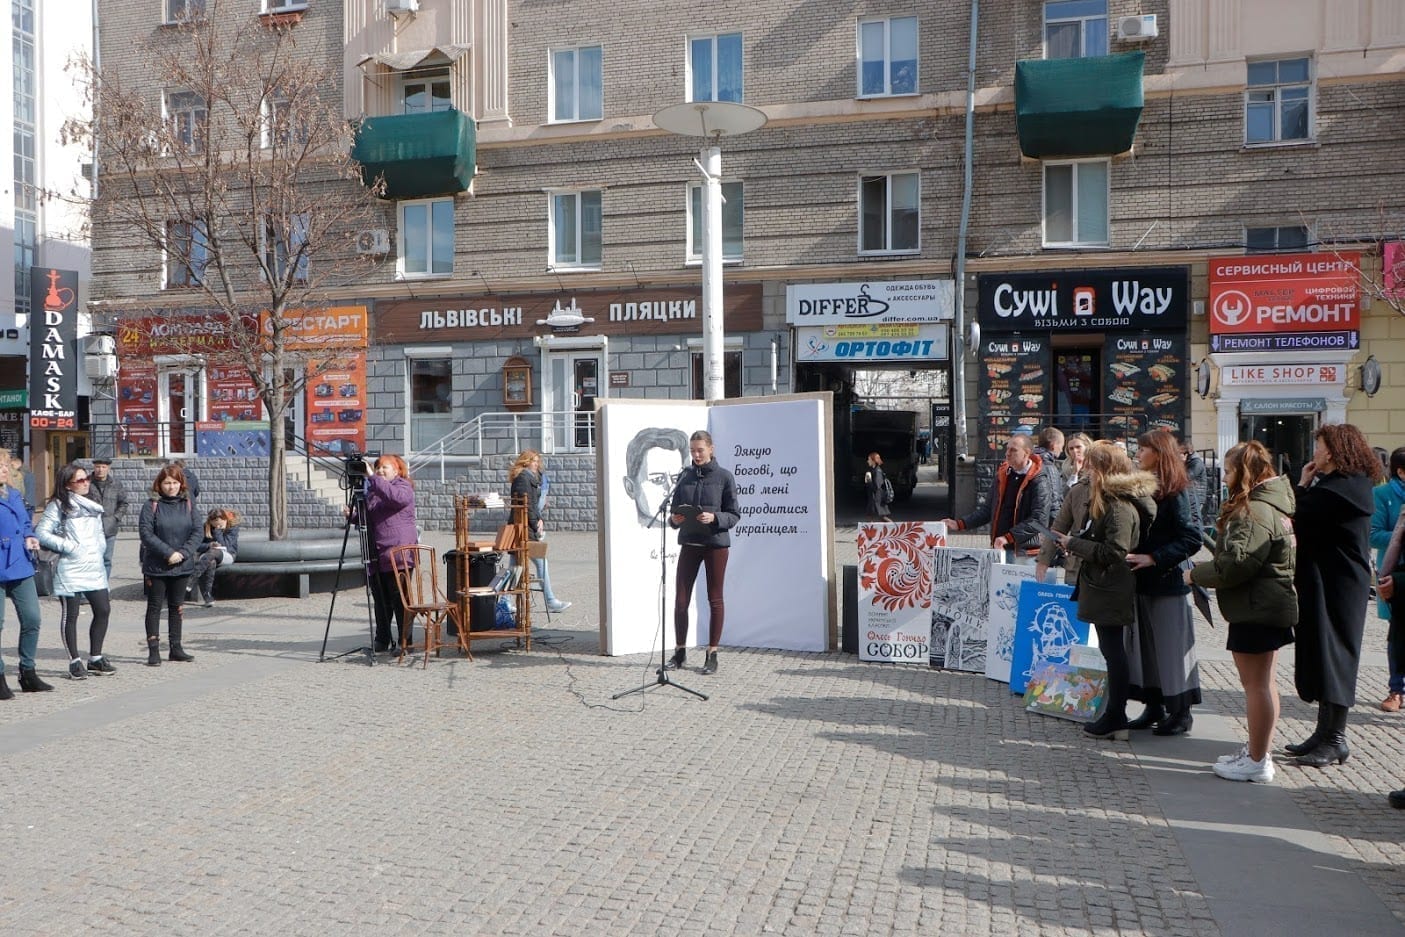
x: 419, y: 154
x: 1079, y: 106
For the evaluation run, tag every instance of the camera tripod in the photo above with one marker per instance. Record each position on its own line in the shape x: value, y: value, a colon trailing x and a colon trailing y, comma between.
x: 356, y: 517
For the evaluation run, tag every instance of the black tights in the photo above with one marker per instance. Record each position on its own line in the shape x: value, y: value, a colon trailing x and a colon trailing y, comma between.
x: 385, y: 597
x: 70, y: 606
x: 1112, y: 641
x: 714, y: 559
x: 170, y: 592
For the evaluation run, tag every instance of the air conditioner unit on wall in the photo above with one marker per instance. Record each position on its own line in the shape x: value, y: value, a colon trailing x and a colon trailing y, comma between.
x: 100, y: 367
x: 373, y: 241
x: 398, y: 7
x: 1137, y: 28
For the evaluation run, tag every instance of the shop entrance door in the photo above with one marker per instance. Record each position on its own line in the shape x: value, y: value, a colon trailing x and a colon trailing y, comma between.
x: 571, y: 383
x: 180, y: 404
x: 1288, y: 437
x: 63, y: 448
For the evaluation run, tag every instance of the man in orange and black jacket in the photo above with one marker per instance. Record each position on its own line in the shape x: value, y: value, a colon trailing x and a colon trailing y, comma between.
x: 1023, y: 492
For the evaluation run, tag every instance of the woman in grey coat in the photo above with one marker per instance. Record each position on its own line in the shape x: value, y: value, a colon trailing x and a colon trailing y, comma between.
x: 72, y: 527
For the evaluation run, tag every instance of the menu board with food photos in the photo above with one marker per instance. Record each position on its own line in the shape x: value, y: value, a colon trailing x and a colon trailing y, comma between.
x: 1014, y: 388
x: 1145, y: 384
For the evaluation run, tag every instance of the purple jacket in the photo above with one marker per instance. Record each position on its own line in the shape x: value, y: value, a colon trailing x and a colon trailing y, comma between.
x: 390, y: 512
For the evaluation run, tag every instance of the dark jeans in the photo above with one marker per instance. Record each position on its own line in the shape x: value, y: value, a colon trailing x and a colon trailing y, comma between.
x: 385, y: 596
x: 170, y: 592
x: 1395, y: 648
x: 714, y: 560
x: 26, y: 601
x: 69, y: 608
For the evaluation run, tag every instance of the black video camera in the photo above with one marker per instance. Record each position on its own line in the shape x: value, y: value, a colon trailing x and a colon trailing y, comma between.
x: 356, y: 468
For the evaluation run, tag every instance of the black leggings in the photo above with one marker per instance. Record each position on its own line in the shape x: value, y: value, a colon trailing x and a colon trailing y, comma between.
x: 70, y: 606
x: 1112, y: 641
x: 385, y: 596
x: 170, y: 592
x: 689, y: 559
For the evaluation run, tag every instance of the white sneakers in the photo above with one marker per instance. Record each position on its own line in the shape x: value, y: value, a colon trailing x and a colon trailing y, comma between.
x: 1241, y: 767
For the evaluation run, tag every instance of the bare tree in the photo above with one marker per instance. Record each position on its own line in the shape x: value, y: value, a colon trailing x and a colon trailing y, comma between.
x: 223, y: 150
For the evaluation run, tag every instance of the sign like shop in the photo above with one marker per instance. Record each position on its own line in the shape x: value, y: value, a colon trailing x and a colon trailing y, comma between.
x: 1084, y: 300
x: 1283, y: 374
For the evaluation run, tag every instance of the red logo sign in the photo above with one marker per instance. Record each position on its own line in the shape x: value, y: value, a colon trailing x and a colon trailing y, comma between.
x: 1264, y: 293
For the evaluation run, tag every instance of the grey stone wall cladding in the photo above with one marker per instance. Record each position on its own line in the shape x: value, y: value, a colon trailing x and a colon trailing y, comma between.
x: 241, y: 484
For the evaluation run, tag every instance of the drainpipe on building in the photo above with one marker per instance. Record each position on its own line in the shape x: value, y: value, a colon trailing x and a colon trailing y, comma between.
x: 958, y: 350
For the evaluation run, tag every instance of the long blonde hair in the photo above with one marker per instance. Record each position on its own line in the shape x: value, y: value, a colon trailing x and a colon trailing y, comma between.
x: 524, y: 461
x: 1104, y: 458
x: 1246, y: 467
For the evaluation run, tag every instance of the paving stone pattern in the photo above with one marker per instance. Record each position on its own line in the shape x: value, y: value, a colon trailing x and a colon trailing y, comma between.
x: 258, y: 791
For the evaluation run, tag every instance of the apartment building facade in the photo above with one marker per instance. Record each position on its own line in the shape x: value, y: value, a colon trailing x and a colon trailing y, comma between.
x: 539, y: 237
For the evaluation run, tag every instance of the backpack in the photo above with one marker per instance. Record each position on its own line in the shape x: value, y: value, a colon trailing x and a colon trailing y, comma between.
x: 887, y: 490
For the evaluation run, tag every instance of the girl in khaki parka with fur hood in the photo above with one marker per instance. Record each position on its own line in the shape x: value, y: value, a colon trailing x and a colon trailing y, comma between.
x: 1119, y: 506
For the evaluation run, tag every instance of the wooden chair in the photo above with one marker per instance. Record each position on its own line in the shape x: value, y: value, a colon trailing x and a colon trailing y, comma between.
x: 417, y: 574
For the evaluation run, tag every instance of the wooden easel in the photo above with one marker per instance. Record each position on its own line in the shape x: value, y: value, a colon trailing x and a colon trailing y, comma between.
x: 514, y: 533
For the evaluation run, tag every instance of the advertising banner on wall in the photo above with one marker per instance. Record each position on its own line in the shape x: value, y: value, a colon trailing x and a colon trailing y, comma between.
x: 53, y: 348
x: 336, y: 407
x: 136, y: 410
x: 777, y: 450
x: 895, y: 342
x: 872, y: 301
x: 1393, y: 269
x: 1084, y: 300
x: 1288, y: 302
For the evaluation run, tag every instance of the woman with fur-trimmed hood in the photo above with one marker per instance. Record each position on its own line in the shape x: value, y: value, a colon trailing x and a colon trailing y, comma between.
x: 1120, y: 506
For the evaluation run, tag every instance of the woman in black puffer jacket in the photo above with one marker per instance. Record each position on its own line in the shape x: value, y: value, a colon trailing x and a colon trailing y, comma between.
x: 170, y: 535
x: 704, y: 508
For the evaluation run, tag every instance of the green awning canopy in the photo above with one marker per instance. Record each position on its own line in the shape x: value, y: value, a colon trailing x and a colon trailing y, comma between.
x: 419, y: 154
x: 1078, y: 107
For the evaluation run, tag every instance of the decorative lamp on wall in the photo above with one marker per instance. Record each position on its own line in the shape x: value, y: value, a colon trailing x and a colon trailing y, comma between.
x: 1202, y: 378
x: 517, y: 383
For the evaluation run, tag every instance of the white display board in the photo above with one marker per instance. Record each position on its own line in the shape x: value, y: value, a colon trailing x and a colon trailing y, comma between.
x: 780, y: 571
x: 1005, y: 579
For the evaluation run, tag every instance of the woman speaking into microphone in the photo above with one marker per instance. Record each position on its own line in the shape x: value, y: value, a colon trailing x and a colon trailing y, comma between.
x: 703, y: 509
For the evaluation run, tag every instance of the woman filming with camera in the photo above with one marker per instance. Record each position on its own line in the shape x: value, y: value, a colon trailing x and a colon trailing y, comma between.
x: 391, y: 523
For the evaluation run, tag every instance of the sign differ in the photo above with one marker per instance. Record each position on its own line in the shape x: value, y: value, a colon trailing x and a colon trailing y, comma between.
x: 53, y: 349
x: 1091, y: 300
x: 870, y: 301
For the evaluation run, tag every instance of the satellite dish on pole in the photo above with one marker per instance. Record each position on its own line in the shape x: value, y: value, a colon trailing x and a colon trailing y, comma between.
x: 710, y: 119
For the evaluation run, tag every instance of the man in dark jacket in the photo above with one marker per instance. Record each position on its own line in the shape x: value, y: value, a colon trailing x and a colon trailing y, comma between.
x: 1199, y: 484
x: 1022, y: 494
x: 108, y: 491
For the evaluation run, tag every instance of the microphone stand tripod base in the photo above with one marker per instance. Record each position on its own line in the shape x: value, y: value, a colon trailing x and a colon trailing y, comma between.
x: 663, y: 680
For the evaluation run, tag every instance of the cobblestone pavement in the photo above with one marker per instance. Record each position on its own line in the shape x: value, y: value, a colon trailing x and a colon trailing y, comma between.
x: 258, y: 791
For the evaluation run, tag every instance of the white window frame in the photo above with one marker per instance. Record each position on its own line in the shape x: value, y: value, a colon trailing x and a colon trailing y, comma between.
x: 1278, y: 238
x: 1073, y: 196
x: 179, y: 11
x: 428, y: 77
x: 415, y: 353
x: 713, y: 40
x: 1084, y: 24
x: 1276, y: 90
x: 196, y: 112
x: 887, y: 60
x: 428, y: 273
x: 284, y: 6
x: 575, y: 112
x: 270, y: 244
x: 693, y: 253
x: 171, y: 263
x: 552, y: 261
x: 273, y: 104
x: 887, y: 249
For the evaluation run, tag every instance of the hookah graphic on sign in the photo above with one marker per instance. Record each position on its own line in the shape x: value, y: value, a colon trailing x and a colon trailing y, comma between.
x: 53, y: 331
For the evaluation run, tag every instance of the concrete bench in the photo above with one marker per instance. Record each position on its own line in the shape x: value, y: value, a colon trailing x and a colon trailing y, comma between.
x: 306, y: 562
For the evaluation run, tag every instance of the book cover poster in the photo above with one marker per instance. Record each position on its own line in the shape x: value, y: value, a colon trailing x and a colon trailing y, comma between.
x: 1005, y: 579
x: 895, y: 590
x: 1046, y: 629
x: 960, y: 607
x: 1066, y: 691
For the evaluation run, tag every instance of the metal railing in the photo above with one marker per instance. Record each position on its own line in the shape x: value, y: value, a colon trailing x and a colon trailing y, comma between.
x: 507, y: 434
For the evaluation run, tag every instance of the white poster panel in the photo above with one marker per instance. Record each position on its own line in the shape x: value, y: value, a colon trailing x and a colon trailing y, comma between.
x: 1005, y: 579
x: 641, y: 449
x: 895, y: 586
x: 777, y: 451
x: 781, y: 565
x: 960, y: 607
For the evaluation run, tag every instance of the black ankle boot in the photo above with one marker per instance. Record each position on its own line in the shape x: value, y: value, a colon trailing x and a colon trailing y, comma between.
x: 1153, y: 714
x: 1332, y: 749
x: 1175, y: 724
x: 1111, y: 725
x: 710, y: 662
x: 5, y: 691
x: 30, y: 682
x: 679, y: 658
x: 1313, y: 740
x: 153, y: 652
x: 178, y: 653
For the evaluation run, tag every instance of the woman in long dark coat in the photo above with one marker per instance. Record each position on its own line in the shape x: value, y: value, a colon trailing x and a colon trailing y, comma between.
x: 1333, y: 580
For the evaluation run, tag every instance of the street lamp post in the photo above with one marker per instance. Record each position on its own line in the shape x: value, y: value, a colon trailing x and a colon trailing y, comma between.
x: 711, y: 120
